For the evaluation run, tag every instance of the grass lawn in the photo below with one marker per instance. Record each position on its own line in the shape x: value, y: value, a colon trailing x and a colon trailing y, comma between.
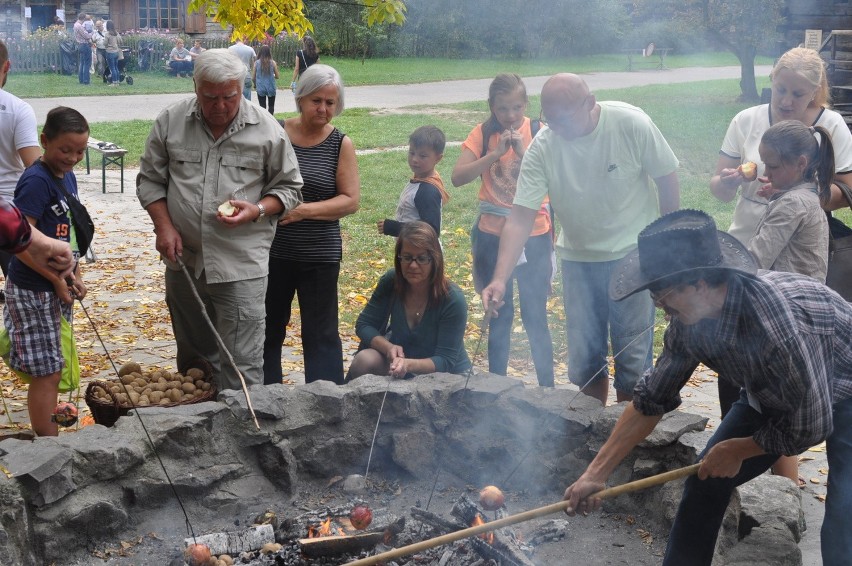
x: 692, y: 116
x: 354, y: 72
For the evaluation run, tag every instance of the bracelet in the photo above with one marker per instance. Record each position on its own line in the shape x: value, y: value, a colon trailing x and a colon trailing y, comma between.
x: 261, y: 211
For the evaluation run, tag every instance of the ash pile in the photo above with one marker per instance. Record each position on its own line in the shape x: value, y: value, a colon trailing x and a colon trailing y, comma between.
x: 66, y: 499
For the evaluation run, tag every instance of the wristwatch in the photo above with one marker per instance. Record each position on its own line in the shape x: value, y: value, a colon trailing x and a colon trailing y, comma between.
x: 261, y: 210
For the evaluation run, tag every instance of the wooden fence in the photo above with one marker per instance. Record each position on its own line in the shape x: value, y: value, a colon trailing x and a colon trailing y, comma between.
x: 44, y: 55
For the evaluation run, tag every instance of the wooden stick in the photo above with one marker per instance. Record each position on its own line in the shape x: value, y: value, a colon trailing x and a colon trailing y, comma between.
x: 608, y: 493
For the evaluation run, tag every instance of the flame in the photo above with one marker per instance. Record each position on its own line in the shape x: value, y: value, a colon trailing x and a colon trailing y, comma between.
x: 487, y: 537
x: 322, y: 530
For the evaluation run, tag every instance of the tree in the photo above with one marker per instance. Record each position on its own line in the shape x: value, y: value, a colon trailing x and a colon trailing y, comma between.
x: 252, y: 19
x: 743, y: 27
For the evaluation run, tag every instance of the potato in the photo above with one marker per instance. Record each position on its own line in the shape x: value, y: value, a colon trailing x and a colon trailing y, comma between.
x: 187, y: 397
x: 155, y: 396
x: 198, y: 393
x: 164, y: 401
x: 168, y: 375
x: 139, y: 382
x: 206, y: 386
x: 195, y: 373
x: 174, y: 394
x: 147, y: 391
x: 144, y: 400
x: 127, y: 378
x: 188, y: 387
x: 122, y: 398
x: 156, y: 375
x: 129, y: 367
x: 134, y: 397
x: 115, y: 388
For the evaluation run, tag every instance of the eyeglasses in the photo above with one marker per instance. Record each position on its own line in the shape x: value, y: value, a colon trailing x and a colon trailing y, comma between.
x: 406, y: 259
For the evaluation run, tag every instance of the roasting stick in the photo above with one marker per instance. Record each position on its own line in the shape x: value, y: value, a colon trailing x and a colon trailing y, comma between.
x: 218, y: 338
x: 607, y: 493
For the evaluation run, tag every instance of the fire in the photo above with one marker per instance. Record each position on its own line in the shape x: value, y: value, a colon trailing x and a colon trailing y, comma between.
x: 323, y: 530
x: 487, y: 537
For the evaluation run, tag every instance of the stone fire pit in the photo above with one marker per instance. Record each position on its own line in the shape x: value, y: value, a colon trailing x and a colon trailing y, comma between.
x: 66, y: 499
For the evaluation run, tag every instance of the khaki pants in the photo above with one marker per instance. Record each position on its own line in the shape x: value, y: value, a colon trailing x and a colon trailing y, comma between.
x: 238, y: 313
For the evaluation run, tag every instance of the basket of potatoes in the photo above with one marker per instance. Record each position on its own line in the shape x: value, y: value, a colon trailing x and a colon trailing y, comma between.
x: 137, y: 389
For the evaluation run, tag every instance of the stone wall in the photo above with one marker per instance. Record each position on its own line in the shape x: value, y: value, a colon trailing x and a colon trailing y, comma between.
x: 64, y: 495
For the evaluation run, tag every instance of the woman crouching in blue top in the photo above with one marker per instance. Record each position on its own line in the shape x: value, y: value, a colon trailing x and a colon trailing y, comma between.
x: 415, y: 320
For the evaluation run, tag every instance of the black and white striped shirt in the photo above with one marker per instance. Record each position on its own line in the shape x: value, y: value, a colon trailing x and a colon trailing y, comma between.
x: 314, y: 240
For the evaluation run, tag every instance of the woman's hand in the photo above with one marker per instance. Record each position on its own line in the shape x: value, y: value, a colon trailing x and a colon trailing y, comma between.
x: 399, y: 367
x: 292, y: 215
x: 503, y: 144
x: 394, y: 352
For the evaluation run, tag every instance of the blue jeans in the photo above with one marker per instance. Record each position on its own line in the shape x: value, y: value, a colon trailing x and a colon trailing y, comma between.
x: 85, y: 62
x: 533, y: 288
x: 247, y: 88
x: 112, y: 61
x: 591, y: 315
x: 181, y: 67
x: 315, y: 283
x: 696, y: 526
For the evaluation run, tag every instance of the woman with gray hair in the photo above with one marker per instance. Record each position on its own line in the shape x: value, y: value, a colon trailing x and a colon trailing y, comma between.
x: 305, y: 256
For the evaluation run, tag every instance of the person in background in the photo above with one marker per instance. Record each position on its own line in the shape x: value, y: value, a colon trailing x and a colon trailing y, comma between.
x: 305, y: 257
x: 113, y: 52
x: 180, y: 60
x: 202, y: 153
x: 99, y: 37
x: 608, y: 171
x: 84, y: 49
x: 247, y: 56
x: 800, y: 92
x: 196, y: 49
x: 784, y: 338
x: 305, y: 57
x: 264, y: 74
x: 492, y: 152
x: 19, y: 140
x: 415, y: 320
x: 424, y: 195
x: 36, y: 298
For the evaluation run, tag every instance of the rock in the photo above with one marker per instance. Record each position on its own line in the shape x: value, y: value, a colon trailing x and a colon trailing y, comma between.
x: 765, y: 546
x: 354, y: 484
x: 769, y: 501
x: 44, y: 467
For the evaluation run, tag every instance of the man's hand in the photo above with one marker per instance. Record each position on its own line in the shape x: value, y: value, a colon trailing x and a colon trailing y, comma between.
x: 52, y: 254
x: 245, y: 212
x: 169, y: 242
x: 725, y: 458
x: 578, y: 495
x: 492, y: 297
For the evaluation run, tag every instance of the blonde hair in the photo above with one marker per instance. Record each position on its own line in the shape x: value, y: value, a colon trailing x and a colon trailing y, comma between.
x: 809, y: 65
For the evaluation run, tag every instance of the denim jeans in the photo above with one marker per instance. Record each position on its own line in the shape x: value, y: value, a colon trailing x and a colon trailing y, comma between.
x: 315, y: 284
x: 533, y: 279
x: 247, y: 88
x: 112, y: 61
x: 696, y: 526
x: 591, y: 315
x: 84, y: 62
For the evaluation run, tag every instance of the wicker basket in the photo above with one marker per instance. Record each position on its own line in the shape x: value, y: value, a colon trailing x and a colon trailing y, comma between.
x: 107, y: 412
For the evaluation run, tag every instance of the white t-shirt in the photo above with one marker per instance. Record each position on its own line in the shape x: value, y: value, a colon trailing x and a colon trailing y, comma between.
x: 742, y: 141
x: 244, y: 52
x: 17, y: 131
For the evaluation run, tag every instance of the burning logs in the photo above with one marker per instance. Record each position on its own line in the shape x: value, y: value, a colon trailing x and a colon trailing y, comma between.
x: 235, y: 542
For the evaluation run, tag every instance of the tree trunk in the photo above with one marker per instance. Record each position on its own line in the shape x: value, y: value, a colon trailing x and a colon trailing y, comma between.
x: 748, y: 85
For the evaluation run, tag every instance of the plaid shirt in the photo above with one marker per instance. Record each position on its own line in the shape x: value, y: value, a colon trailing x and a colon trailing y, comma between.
x: 785, y: 338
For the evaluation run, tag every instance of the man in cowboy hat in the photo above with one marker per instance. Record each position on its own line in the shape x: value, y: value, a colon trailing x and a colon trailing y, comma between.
x: 784, y: 339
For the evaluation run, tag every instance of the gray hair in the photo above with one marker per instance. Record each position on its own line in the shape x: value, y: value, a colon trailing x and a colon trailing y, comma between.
x: 314, y: 78
x: 219, y: 66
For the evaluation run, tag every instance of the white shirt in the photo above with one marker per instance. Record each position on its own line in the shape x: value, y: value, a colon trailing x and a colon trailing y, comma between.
x: 17, y: 131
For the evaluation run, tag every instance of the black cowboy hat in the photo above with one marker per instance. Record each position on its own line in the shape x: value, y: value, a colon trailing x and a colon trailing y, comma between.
x: 681, y: 241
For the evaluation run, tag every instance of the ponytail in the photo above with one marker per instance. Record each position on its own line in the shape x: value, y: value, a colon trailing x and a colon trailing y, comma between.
x: 822, y: 167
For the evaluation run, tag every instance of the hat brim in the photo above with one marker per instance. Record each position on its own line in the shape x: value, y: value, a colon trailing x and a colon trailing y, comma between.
x: 627, y: 278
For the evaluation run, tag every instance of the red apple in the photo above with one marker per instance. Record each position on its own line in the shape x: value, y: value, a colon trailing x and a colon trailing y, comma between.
x: 491, y: 498
x: 197, y: 555
x: 361, y: 516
